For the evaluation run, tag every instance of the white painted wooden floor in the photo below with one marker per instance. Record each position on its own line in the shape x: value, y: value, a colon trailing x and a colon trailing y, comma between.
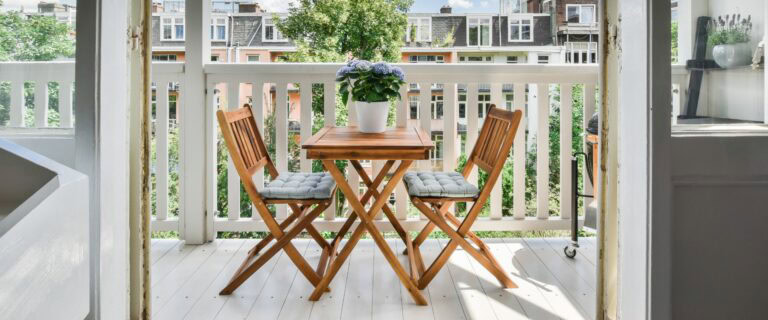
x: 186, y: 280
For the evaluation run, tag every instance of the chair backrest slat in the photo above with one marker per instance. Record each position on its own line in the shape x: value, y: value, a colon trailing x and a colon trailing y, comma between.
x: 245, y: 144
x: 495, y: 141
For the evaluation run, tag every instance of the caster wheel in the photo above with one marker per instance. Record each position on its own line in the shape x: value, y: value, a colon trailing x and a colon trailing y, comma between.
x: 569, y: 251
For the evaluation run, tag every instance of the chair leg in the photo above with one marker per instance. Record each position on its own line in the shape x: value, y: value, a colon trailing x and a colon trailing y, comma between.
x: 485, y: 258
x: 264, y: 242
x: 283, y: 243
x: 424, y: 233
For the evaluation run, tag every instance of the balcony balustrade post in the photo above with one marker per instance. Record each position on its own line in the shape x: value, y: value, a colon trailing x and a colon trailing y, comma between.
x: 193, y: 140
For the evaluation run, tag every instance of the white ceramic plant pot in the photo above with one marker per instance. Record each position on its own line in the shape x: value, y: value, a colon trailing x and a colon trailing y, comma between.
x: 732, y: 55
x: 372, y: 116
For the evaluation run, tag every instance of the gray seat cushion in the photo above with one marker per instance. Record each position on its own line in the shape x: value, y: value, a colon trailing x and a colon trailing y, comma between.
x: 300, y: 186
x: 439, y: 184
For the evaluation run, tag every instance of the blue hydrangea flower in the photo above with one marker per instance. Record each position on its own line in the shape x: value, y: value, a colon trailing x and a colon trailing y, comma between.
x: 398, y: 73
x: 382, y: 69
x: 344, y: 71
x: 361, y: 65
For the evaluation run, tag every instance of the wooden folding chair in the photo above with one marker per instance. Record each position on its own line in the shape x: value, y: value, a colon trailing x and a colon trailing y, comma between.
x: 300, y: 191
x: 434, y: 193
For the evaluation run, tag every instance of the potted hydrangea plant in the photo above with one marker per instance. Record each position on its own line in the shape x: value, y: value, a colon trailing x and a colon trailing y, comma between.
x: 372, y: 86
x: 729, y: 39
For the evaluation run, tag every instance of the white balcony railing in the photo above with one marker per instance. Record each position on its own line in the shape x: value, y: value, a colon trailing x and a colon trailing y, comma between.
x: 261, y: 83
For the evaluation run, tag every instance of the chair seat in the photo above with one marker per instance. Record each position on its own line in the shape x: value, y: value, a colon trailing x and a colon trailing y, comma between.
x: 439, y: 185
x: 300, y: 186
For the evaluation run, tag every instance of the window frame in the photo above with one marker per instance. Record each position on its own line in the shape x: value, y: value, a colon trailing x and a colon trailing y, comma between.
x: 248, y: 58
x: 419, y: 23
x: 277, y: 33
x: 437, y: 113
x: 479, y: 26
x: 173, y: 24
x: 580, y: 6
x: 215, y: 24
x: 520, y: 18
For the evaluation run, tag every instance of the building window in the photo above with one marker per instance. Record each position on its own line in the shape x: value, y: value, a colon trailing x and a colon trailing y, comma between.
x: 163, y: 57
x: 173, y: 28
x: 476, y: 59
x: 509, y: 100
x: 581, y: 13
x: 219, y: 29
x: 214, y: 58
x: 512, y: 59
x: 483, y: 104
x: 271, y: 33
x: 462, y: 106
x: 253, y: 57
x: 520, y: 29
x: 437, y: 152
x: 425, y: 59
x: 543, y: 59
x: 419, y: 29
x: 437, y: 107
x: 413, y: 106
x: 479, y: 31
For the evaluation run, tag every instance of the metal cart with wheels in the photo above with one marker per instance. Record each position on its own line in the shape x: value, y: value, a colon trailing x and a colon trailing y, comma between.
x: 590, y: 214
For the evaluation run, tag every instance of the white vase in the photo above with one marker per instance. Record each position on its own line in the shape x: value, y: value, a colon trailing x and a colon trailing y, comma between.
x: 372, y: 116
x: 732, y: 55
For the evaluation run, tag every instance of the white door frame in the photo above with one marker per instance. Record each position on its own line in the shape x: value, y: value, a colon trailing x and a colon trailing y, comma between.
x: 101, y: 146
x: 644, y: 125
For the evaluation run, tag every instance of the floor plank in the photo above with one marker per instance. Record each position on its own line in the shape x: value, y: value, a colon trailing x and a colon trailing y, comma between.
x: 578, y: 289
x: 163, y: 291
x: 412, y: 311
x: 387, y: 301
x: 192, y: 289
x: 170, y: 261
x: 467, y: 285
x: 503, y: 302
x: 528, y: 293
x: 329, y: 305
x: 160, y: 248
x: 240, y: 302
x: 187, y: 279
x: 588, y: 249
x: 297, y: 305
x: 536, y: 272
x: 444, y: 299
x: 209, y: 304
x: 358, y: 296
x: 273, y: 296
x: 586, y: 271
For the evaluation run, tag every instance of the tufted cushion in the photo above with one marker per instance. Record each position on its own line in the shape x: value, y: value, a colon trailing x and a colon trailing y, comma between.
x: 439, y: 184
x: 299, y: 185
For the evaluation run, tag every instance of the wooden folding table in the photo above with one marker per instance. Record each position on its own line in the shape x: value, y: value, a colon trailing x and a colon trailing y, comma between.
x: 347, y: 143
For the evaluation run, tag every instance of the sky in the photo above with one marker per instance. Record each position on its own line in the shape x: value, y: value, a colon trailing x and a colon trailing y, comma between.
x: 421, y: 6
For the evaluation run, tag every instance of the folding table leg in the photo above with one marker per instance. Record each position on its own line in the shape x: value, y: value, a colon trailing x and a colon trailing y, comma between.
x: 367, y: 224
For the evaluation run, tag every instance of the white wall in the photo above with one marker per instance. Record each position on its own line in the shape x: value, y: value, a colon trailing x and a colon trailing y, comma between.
x: 60, y: 148
x: 44, y: 269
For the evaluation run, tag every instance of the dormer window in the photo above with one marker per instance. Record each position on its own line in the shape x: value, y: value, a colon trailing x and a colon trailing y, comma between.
x: 581, y: 13
x: 271, y: 33
x: 419, y: 29
x: 520, y: 28
x: 219, y: 29
x: 479, y: 31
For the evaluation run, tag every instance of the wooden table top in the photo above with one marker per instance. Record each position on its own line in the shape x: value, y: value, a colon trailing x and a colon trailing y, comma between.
x: 347, y: 143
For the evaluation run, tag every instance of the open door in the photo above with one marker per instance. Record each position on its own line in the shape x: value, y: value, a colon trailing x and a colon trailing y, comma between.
x: 693, y: 179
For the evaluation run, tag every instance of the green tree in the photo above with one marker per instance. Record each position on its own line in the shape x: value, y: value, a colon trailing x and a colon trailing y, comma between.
x: 35, y: 38
x: 338, y: 29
